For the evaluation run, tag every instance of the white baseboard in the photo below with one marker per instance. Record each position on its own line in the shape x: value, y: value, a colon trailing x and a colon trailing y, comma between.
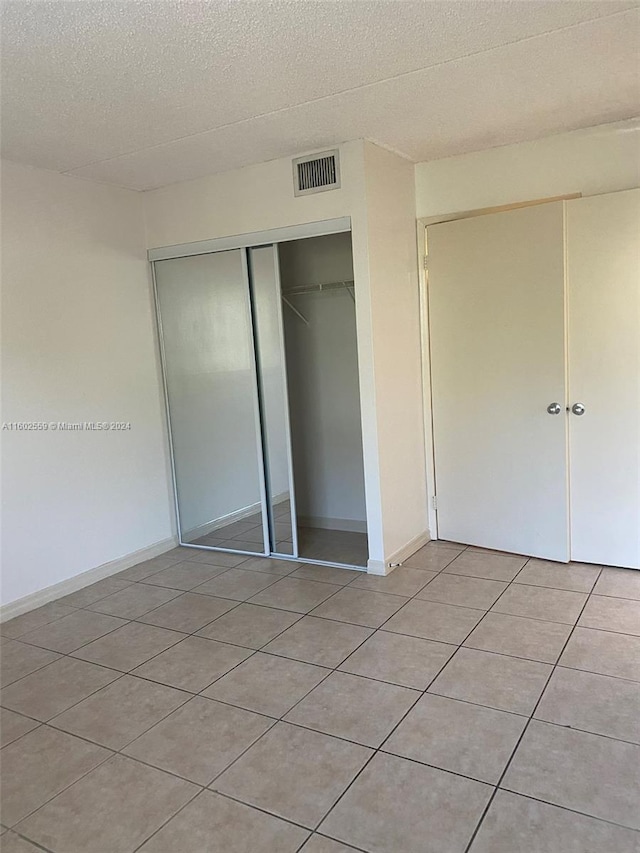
x: 384, y: 567
x: 351, y: 525
x: 377, y: 567
x: 50, y: 593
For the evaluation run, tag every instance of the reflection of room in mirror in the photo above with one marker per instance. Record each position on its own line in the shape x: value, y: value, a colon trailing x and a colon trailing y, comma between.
x: 248, y: 534
x: 283, y: 527
x: 210, y: 374
x: 245, y: 535
x: 272, y: 379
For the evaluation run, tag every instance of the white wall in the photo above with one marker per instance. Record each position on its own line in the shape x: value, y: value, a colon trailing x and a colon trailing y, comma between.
x: 395, y: 318
x: 596, y: 160
x: 78, y: 345
x: 254, y: 198
x: 316, y: 260
x: 322, y: 362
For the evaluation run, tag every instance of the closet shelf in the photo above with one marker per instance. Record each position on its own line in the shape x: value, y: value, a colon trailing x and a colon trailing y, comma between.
x: 315, y: 288
x: 310, y: 288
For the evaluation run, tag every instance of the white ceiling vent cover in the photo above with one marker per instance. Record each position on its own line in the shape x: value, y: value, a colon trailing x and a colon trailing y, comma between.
x: 316, y: 173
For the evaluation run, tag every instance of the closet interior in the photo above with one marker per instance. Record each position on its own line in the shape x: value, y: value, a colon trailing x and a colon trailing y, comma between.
x: 260, y: 366
x: 322, y: 373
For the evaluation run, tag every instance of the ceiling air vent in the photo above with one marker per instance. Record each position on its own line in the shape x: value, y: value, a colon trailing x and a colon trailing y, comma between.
x: 316, y: 174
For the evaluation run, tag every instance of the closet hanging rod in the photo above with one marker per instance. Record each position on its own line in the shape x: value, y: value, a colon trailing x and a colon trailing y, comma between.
x: 310, y: 288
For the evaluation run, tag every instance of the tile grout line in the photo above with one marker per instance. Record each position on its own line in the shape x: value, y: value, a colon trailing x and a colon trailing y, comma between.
x: 168, y: 820
x: 191, y: 696
x: 190, y: 780
x: 330, y: 670
x: 66, y: 787
x: 135, y: 620
x: 196, y: 633
x: 395, y: 727
x: 281, y: 718
x: 519, y: 740
x: 193, y: 591
x: 121, y: 674
x: 240, y: 707
x: 561, y: 808
x: 118, y: 752
x: 275, y: 721
x: 34, y: 843
x: 490, y: 610
x: 186, y: 635
x: 316, y: 834
x: 526, y: 727
x: 302, y: 615
x: 207, y: 787
x: 113, y: 752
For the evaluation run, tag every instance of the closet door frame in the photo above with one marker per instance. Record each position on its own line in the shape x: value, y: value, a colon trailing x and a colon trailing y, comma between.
x: 256, y: 411
x: 252, y: 240
x: 287, y: 423
x: 264, y: 503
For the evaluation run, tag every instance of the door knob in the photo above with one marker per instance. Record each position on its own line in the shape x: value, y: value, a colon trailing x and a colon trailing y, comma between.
x: 578, y: 409
x: 555, y: 408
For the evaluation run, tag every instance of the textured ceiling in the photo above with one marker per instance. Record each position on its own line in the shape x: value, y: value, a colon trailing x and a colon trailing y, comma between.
x: 143, y: 94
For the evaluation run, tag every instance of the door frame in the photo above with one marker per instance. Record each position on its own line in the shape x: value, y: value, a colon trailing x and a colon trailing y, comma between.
x: 251, y: 240
x: 261, y: 398
x: 245, y: 242
x: 423, y: 278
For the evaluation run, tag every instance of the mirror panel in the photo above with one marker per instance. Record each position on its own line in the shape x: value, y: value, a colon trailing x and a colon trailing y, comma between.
x: 265, y: 287
x: 209, y: 366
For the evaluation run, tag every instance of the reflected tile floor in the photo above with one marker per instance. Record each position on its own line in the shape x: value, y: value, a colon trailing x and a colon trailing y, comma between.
x: 314, y: 543
x: 470, y: 702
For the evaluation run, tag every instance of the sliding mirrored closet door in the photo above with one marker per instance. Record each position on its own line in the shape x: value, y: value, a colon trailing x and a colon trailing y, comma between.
x: 262, y: 390
x: 272, y: 371
x: 204, y: 317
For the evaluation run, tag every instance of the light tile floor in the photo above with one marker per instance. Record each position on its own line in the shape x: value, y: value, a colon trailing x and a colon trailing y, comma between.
x: 205, y: 703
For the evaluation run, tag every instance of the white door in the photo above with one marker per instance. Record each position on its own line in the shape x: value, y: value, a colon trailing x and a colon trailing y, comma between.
x: 603, y: 274
x: 496, y: 315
